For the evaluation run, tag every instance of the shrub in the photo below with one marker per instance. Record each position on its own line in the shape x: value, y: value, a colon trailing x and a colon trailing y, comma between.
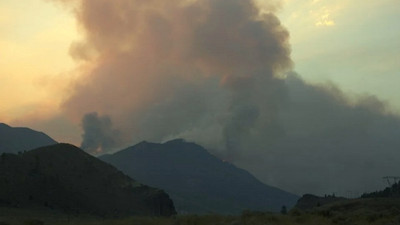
x: 295, y: 212
x: 325, y: 213
x: 34, y: 222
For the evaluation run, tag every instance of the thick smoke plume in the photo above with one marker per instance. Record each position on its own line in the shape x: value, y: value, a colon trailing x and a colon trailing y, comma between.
x: 98, y: 134
x: 162, y: 69
x: 214, y: 72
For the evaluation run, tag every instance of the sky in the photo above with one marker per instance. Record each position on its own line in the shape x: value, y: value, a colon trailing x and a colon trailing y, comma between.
x: 270, y: 86
x: 354, y: 44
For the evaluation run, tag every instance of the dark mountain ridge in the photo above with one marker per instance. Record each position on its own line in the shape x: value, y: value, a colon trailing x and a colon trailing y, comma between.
x: 197, y: 181
x: 64, y: 177
x: 18, y: 139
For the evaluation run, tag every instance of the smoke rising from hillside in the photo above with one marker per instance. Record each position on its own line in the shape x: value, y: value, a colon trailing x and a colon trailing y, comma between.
x: 160, y: 68
x: 98, y: 133
x: 213, y: 72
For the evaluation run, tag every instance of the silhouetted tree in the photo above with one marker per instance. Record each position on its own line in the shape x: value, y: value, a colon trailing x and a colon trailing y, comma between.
x: 284, y: 210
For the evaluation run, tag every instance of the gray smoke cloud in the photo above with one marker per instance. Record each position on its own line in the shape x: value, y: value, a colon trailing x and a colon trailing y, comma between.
x: 326, y: 143
x: 216, y: 72
x: 99, y: 135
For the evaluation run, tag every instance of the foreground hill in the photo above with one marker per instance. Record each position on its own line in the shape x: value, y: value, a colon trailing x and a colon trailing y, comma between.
x: 18, y: 139
x: 63, y: 177
x: 197, y: 181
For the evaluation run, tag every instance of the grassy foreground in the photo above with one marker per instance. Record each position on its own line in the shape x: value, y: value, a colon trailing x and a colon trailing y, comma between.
x: 356, y: 212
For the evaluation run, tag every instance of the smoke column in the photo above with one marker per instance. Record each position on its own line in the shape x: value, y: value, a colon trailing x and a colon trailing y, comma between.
x: 217, y: 72
x: 98, y: 133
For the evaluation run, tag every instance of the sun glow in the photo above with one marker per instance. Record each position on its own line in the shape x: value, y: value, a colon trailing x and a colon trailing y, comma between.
x: 325, y: 21
x: 34, y: 48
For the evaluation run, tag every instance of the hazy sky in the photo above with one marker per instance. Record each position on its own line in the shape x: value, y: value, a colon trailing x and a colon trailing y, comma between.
x: 355, y: 44
x: 116, y: 70
x: 35, y: 64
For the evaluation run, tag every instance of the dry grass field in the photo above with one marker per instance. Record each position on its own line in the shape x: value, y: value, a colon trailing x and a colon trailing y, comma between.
x: 352, y: 212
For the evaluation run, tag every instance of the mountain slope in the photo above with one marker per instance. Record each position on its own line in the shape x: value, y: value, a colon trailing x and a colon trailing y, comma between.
x: 18, y: 139
x: 197, y: 181
x: 64, y: 177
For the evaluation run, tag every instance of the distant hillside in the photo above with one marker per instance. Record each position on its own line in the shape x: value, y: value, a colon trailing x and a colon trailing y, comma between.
x: 197, y: 181
x: 66, y: 178
x: 389, y: 192
x: 377, y: 211
x: 18, y: 139
x: 387, y: 201
x: 309, y: 201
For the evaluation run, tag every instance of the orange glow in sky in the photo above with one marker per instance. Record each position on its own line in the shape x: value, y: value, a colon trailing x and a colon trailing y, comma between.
x: 34, y: 40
